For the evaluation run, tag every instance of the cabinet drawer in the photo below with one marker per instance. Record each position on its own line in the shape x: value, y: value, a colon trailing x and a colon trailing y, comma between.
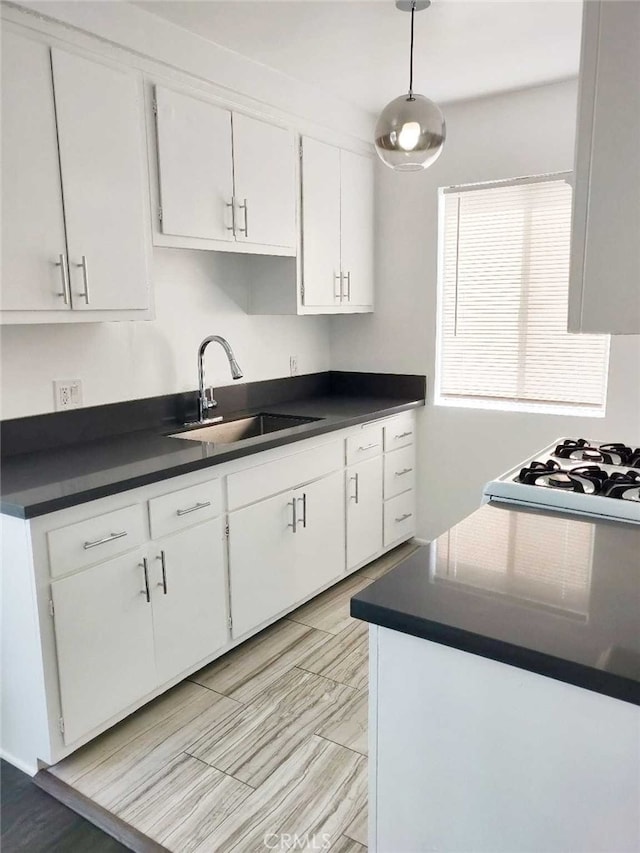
x: 399, y: 518
x: 399, y: 432
x: 260, y: 482
x: 177, y: 510
x: 364, y: 444
x: 399, y: 471
x: 94, y: 540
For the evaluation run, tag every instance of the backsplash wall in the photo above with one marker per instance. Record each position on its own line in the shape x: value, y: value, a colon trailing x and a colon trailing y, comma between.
x: 197, y: 293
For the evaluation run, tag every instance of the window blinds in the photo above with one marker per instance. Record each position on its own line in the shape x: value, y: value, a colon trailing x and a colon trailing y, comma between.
x: 504, y: 279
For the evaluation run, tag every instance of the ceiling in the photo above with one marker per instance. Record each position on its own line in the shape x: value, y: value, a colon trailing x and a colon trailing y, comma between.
x: 358, y: 49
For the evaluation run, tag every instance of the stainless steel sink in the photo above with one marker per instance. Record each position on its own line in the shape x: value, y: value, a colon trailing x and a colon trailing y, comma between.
x: 228, y: 432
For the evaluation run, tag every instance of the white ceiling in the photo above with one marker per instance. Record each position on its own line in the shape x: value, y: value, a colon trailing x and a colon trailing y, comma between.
x: 358, y: 49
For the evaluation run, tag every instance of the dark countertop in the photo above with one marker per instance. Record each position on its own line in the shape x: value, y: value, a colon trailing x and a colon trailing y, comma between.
x: 42, y: 481
x: 549, y: 593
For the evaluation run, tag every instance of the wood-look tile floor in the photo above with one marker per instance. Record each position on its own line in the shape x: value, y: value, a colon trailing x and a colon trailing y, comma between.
x: 270, y: 739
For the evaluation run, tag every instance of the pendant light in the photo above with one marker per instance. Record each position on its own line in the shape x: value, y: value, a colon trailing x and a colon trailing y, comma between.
x: 410, y: 132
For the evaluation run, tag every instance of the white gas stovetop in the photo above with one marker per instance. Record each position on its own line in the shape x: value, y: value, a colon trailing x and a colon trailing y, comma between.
x: 592, y: 478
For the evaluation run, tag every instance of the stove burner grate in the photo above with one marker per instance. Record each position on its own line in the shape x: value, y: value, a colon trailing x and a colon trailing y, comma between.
x: 613, y: 453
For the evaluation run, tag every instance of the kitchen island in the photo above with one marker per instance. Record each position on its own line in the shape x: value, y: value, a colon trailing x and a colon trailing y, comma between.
x: 505, y: 684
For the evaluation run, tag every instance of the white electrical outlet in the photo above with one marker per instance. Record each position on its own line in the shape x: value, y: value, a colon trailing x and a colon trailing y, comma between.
x: 293, y: 365
x: 67, y: 394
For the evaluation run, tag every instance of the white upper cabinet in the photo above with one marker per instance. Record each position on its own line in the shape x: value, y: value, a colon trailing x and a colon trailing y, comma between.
x: 33, y: 238
x: 99, y: 112
x: 264, y: 158
x: 195, y: 163
x: 605, y: 253
x: 337, y: 228
x: 72, y: 129
x: 320, y: 223
x: 356, y: 219
x: 226, y: 181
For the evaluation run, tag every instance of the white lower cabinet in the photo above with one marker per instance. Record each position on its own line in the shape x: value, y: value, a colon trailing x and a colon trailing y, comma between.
x: 131, y: 624
x: 139, y: 589
x: 187, y: 579
x: 261, y: 561
x: 104, y: 640
x: 364, y: 511
x: 284, y: 548
x: 320, y: 534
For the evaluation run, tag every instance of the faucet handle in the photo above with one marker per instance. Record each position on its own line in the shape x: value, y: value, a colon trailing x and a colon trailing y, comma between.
x: 209, y: 400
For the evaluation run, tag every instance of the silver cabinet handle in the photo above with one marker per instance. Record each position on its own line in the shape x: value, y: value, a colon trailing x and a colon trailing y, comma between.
x: 304, y: 508
x: 294, y: 521
x: 404, y: 471
x: 244, y: 207
x: 403, y: 435
x: 103, y: 541
x: 232, y: 227
x: 64, y: 272
x: 348, y: 293
x: 85, y: 278
x: 356, y: 496
x: 367, y: 446
x: 404, y: 517
x: 199, y: 505
x: 337, y: 276
x: 163, y: 563
x: 144, y: 565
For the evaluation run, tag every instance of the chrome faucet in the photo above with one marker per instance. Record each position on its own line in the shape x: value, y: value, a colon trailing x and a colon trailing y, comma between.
x: 206, y: 399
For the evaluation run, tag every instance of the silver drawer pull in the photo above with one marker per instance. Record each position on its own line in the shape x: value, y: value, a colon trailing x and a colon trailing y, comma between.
x: 144, y: 565
x: 163, y: 563
x: 193, y: 508
x: 404, y: 517
x: 403, y: 435
x: 404, y: 471
x: 367, y: 446
x: 85, y: 278
x: 106, y: 539
x: 294, y: 518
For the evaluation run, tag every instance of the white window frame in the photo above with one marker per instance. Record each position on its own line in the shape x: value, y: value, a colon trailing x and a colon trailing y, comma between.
x: 529, y: 407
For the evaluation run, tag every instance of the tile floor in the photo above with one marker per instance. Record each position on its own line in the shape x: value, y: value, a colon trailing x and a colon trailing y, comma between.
x: 270, y: 739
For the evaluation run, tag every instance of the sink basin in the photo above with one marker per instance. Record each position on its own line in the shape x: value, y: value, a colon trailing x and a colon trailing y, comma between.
x: 231, y: 431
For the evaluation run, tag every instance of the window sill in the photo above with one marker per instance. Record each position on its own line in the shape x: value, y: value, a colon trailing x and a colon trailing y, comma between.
x: 529, y: 408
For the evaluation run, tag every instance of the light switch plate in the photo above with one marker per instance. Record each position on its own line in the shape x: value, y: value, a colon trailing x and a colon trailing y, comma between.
x: 67, y: 394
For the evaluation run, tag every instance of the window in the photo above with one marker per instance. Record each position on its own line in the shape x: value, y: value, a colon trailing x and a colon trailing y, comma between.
x: 502, y: 302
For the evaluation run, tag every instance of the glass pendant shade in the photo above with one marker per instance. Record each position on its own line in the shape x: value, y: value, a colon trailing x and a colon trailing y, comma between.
x: 410, y: 133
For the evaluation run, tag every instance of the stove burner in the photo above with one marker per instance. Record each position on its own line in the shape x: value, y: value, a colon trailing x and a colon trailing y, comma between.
x: 623, y: 485
x: 585, y: 479
x: 609, y: 454
x: 560, y: 481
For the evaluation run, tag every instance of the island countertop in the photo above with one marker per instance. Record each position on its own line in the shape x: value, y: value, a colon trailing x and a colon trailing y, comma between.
x: 554, y: 594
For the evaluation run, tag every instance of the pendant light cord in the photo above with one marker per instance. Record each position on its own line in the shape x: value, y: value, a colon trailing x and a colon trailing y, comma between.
x: 411, y: 98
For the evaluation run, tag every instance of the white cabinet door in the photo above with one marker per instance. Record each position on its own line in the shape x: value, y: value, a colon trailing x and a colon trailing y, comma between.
x: 320, y: 223
x: 189, y: 597
x: 604, y: 291
x: 195, y: 165
x: 104, y: 640
x: 261, y: 562
x: 264, y: 170
x: 100, y: 136
x: 320, y: 538
x: 364, y: 510
x: 33, y: 237
x: 356, y: 216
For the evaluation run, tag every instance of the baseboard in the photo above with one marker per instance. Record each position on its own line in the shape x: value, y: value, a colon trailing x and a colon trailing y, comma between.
x: 96, y: 814
x: 29, y: 769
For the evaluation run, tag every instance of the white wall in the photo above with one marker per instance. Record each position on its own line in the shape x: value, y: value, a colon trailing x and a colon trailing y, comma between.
x: 522, y: 133
x: 197, y: 294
